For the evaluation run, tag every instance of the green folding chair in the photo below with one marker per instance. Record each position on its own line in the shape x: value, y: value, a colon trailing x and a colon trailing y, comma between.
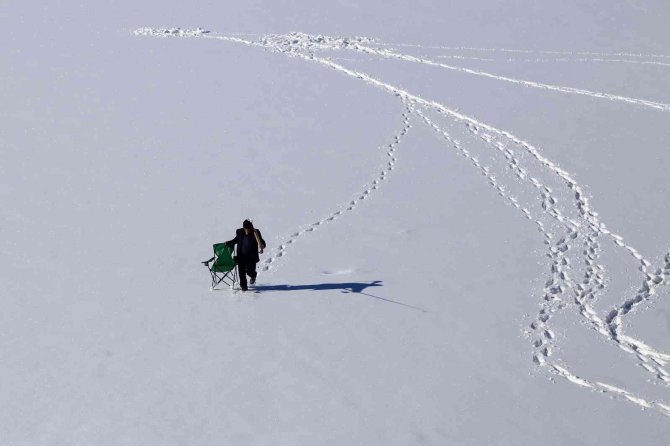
x: 223, y: 268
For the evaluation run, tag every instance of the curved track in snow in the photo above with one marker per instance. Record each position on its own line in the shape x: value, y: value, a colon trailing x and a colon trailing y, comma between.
x: 542, y: 192
x: 390, y: 150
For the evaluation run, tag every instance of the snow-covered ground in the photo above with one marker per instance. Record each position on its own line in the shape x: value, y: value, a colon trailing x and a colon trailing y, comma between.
x: 465, y: 207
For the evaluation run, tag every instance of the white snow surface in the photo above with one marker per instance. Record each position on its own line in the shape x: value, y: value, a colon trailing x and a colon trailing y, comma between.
x: 465, y: 209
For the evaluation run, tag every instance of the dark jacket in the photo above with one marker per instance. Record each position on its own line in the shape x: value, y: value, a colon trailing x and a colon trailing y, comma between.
x: 251, y: 240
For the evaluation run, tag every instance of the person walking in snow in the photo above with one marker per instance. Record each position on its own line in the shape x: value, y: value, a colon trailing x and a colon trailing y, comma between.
x: 249, y: 243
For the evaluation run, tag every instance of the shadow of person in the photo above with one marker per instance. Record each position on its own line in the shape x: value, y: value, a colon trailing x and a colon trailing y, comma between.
x: 344, y: 287
x: 350, y: 287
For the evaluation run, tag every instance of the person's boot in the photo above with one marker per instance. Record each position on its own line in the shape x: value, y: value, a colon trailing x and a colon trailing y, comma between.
x: 253, y: 280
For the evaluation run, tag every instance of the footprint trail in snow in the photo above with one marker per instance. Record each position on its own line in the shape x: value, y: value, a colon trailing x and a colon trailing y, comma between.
x: 542, y: 192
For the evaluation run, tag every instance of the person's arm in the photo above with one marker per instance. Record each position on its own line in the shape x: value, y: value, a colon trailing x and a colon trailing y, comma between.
x: 232, y: 242
x: 260, y: 240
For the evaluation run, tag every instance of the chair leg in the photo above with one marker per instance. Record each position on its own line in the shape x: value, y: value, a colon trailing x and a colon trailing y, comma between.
x: 229, y: 278
x: 215, y: 279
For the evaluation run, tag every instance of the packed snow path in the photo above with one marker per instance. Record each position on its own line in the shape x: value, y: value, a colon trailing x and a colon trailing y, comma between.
x: 542, y: 192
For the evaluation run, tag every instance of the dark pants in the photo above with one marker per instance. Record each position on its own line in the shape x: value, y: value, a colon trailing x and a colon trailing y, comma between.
x: 244, y: 268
